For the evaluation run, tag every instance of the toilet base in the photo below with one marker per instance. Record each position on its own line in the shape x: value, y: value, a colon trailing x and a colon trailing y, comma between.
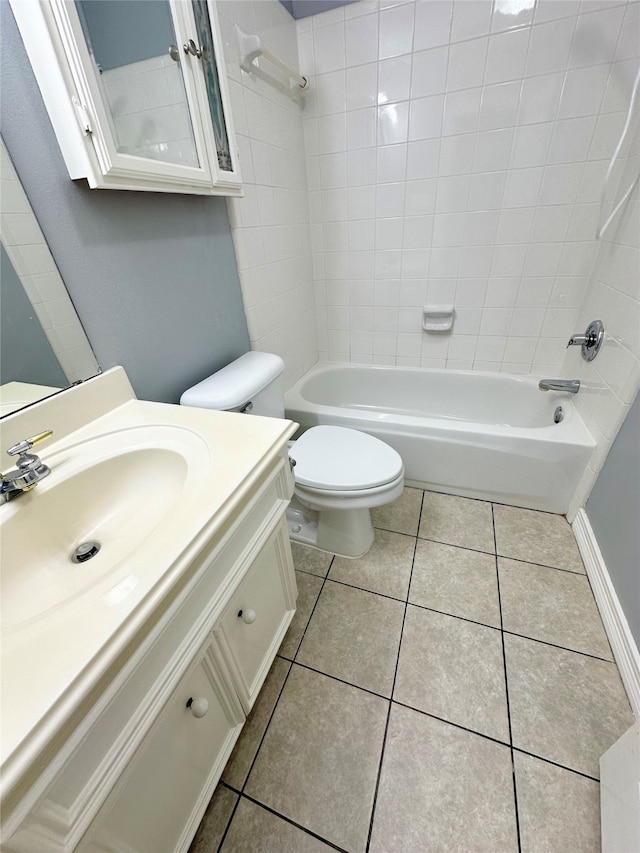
x: 345, y: 533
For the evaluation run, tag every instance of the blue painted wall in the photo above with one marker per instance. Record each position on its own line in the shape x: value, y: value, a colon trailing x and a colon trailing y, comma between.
x: 153, y: 276
x: 614, y: 513
x: 304, y: 8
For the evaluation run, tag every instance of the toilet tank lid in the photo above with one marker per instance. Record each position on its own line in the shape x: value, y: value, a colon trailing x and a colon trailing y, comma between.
x: 234, y: 385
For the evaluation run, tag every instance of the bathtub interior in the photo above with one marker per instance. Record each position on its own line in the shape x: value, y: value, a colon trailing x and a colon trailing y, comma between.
x: 536, y: 467
x: 456, y: 395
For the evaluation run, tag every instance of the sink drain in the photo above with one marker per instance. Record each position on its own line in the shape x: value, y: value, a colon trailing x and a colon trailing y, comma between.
x: 85, y: 552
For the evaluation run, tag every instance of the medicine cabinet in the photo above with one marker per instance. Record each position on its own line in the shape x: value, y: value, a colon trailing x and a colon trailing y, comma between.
x: 136, y: 92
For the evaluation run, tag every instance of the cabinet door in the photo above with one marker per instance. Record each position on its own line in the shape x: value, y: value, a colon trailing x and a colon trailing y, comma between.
x: 257, y: 616
x: 125, y: 85
x: 157, y: 804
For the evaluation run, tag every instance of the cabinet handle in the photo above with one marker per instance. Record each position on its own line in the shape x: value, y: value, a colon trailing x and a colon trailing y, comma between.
x: 199, y: 707
x: 192, y: 48
x: 247, y: 616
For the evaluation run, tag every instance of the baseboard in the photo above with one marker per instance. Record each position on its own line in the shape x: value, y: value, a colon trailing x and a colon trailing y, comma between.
x: 623, y: 645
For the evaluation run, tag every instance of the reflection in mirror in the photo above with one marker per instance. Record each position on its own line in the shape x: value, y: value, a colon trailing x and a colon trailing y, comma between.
x: 43, y: 345
x: 137, y: 58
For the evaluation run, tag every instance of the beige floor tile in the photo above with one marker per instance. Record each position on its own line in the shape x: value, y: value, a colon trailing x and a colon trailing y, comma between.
x: 308, y: 591
x: 309, y: 560
x: 255, y: 830
x: 385, y: 569
x: 554, y: 606
x: 401, y: 515
x: 457, y: 581
x: 453, y: 669
x: 537, y: 537
x: 214, y: 821
x: 239, y: 763
x: 442, y: 789
x: 557, y: 809
x: 319, y: 760
x: 354, y: 635
x: 457, y: 521
x: 565, y: 707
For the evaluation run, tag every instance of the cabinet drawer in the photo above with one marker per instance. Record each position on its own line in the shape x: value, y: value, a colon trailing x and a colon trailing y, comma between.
x: 254, y: 622
x: 157, y: 803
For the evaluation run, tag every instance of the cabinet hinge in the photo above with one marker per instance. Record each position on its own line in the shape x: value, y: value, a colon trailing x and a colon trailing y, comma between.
x: 83, y: 116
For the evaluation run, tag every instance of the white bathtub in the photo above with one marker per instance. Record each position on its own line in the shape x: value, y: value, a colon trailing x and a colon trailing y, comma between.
x: 481, y: 435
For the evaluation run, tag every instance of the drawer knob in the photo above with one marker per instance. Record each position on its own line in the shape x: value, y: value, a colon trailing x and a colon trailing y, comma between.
x: 247, y: 616
x: 199, y: 707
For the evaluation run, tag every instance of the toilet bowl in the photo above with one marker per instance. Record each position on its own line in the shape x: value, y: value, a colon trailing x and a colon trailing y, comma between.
x: 340, y: 474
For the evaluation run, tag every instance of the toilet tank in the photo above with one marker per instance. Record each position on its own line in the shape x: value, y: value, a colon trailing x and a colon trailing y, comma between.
x: 255, y: 377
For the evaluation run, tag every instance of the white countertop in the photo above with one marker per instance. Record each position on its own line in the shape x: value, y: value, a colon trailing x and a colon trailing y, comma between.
x: 50, y: 664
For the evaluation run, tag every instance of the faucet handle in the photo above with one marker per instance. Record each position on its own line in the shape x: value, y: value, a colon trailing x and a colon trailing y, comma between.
x: 27, y: 443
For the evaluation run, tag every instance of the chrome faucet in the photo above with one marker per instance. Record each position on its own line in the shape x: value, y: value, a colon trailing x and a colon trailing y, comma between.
x: 571, y: 386
x: 590, y: 342
x: 29, y: 471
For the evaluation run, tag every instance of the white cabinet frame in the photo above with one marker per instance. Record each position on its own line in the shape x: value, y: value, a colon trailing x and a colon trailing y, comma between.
x: 66, y: 74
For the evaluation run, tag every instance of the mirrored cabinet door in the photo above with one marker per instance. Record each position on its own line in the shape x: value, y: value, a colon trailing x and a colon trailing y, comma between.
x: 132, y: 47
x: 141, y: 101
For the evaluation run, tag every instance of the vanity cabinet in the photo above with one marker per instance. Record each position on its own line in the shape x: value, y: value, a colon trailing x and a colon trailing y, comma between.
x: 182, y: 758
x: 136, y: 92
x: 140, y: 759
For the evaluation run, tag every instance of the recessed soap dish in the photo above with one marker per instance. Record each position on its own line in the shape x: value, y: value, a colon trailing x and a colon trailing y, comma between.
x: 437, y: 318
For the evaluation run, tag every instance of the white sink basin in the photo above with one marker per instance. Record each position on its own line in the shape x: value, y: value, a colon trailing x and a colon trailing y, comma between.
x: 116, y: 489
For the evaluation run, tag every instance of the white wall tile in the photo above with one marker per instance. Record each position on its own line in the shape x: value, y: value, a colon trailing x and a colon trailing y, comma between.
x: 583, y: 91
x: 506, y: 56
x: 549, y: 47
x: 361, y: 40
x: 499, y: 106
x: 329, y: 48
x: 540, y: 97
x: 531, y: 145
x: 425, y: 117
x: 596, y: 36
x: 461, y: 111
x: 429, y: 71
x: 361, y: 86
x: 466, y: 64
x: 470, y: 19
x: 393, y: 123
x: 396, y: 31
x: 477, y: 179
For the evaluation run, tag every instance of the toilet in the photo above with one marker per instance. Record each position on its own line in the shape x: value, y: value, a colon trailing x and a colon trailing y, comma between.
x: 340, y: 474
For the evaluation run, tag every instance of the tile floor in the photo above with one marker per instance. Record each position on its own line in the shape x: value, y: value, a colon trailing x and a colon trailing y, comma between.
x: 451, y: 690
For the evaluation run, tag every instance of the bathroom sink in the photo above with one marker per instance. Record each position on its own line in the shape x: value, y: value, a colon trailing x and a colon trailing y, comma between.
x: 119, y: 490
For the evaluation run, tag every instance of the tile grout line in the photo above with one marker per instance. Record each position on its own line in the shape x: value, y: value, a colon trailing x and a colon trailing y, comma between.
x: 293, y: 823
x: 493, y: 553
x: 561, y: 648
x: 506, y: 686
x: 453, y: 616
x: 556, y: 764
x: 393, y: 685
x: 266, y: 728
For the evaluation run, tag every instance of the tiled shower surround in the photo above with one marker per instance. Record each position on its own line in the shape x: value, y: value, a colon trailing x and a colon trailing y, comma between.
x: 270, y: 224
x: 456, y: 152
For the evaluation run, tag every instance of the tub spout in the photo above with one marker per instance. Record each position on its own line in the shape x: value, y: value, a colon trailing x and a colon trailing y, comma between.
x: 572, y: 386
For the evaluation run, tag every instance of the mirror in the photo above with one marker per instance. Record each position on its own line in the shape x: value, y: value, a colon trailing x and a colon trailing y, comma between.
x: 137, y: 54
x: 43, y: 345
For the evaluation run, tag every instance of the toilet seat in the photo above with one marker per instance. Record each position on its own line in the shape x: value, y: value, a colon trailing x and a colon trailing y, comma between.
x: 337, y: 459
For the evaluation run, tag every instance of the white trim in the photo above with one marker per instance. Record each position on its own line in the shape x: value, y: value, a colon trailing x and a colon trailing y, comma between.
x: 623, y: 645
